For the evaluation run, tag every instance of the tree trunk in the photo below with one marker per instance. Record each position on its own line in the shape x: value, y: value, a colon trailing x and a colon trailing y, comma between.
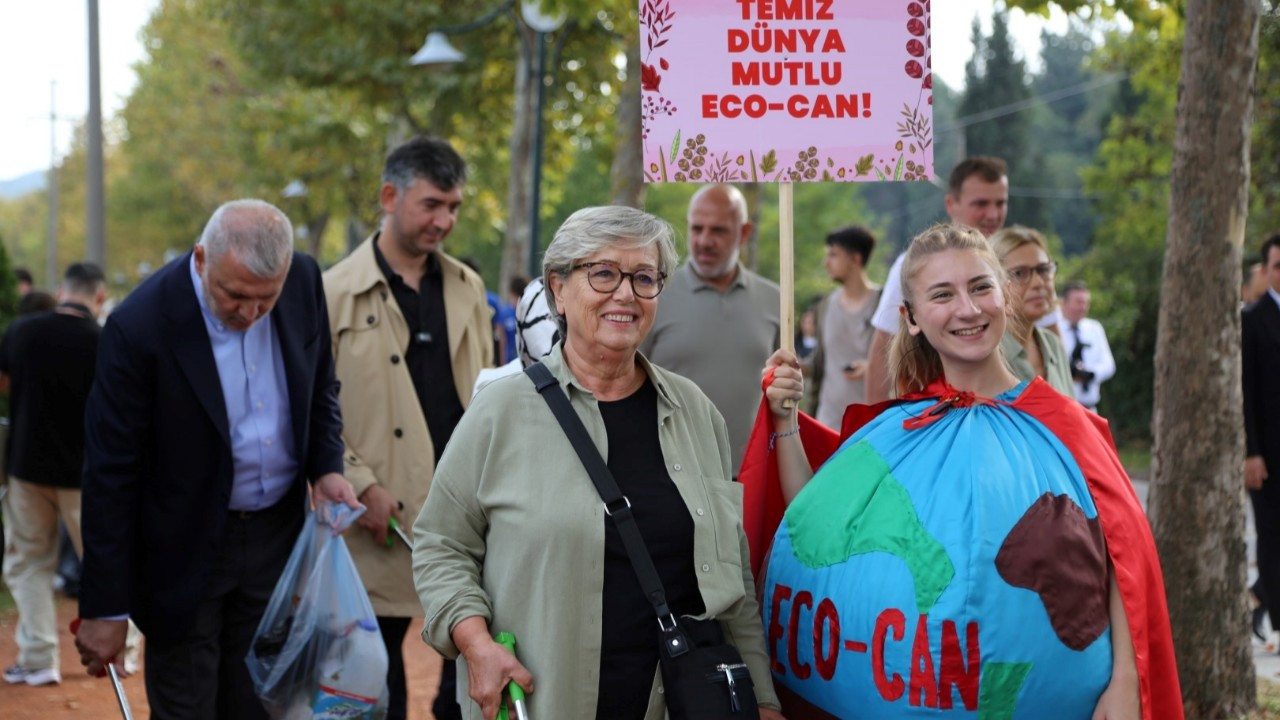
x: 1197, y: 493
x: 626, y: 178
x: 315, y: 234
x: 515, y: 252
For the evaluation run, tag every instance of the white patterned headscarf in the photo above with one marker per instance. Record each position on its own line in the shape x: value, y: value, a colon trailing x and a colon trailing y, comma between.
x: 536, y: 328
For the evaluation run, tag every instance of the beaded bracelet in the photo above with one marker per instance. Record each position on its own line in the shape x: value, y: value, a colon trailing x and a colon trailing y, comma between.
x: 789, y: 433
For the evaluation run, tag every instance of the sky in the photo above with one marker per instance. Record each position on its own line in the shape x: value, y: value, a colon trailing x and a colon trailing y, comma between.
x: 47, y: 41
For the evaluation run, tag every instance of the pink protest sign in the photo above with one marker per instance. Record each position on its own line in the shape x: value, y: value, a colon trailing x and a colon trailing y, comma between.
x: 786, y: 90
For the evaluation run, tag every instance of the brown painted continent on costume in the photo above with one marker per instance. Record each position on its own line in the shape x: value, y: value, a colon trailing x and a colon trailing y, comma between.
x: 1060, y: 554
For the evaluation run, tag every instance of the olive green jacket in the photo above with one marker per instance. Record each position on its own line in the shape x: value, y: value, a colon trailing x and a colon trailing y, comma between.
x: 513, y: 531
x: 1056, y: 370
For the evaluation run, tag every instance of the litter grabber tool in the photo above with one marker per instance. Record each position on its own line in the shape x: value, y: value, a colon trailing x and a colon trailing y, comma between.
x: 115, y: 679
x: 514, y: 691
x: 395, y: 526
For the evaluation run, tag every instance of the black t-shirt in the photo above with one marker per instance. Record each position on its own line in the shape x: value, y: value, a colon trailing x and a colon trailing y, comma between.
x: 629, y: 628
x: 49, y: 358
x: 428, y: 359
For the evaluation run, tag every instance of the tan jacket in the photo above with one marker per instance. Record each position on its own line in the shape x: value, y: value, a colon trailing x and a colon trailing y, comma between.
x: 385, y: 433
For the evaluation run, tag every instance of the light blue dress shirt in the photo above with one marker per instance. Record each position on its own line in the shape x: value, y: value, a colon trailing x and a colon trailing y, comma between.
x: 251, y: 371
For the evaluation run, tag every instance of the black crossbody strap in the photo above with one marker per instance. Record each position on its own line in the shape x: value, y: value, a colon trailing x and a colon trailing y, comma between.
x: 616, y: 504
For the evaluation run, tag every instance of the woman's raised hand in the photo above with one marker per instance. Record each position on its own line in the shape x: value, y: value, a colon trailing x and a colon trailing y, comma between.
x: 787, y: 384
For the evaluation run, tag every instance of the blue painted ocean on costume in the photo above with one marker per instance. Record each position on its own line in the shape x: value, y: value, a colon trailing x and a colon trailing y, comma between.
x: 888, y: 562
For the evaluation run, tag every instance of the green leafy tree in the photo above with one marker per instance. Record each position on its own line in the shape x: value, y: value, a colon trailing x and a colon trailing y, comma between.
x: 363, y: 46
x: 1183, y: 178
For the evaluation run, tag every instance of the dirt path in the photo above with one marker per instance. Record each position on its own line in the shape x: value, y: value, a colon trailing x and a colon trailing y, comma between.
x: 80, y: 697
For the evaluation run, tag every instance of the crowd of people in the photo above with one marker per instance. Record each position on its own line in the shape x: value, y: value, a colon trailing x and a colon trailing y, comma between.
x: 240, y: 385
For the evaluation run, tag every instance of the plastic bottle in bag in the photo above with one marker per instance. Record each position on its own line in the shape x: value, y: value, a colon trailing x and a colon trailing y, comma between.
x: 353, y: 675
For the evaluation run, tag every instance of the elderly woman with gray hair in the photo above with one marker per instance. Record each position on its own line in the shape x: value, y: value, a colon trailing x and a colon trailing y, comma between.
x: 514, y: 536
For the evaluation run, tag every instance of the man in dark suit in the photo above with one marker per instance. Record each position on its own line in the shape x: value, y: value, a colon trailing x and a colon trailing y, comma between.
x: 214, y: 403
x: 1260, y: 363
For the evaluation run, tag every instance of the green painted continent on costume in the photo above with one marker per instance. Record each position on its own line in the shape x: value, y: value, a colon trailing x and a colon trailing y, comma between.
x: 854, y: 506
x: 1001, y: 683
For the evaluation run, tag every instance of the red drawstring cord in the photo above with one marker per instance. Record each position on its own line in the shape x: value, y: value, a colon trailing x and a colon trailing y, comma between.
x: 950, y: 398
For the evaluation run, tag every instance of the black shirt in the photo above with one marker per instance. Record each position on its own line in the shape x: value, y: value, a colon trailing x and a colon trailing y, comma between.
x: 427, y: 358
x: 49, y: 358
x: 629, y: 628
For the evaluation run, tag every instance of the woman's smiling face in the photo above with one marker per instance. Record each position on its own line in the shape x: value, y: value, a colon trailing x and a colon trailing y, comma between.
x: 956, y: 301
x: 616, y: 321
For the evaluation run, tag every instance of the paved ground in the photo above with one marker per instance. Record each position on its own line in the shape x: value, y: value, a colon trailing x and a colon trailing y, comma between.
x: 1266, y: 658
x: 80, y: 697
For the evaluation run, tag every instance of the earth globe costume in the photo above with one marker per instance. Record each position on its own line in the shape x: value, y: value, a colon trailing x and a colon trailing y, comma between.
x: 949, y: 558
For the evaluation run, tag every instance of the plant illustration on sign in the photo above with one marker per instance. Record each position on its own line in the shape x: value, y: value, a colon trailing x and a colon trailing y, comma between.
x: 915, y: 128
x: 760, y: 106
x: 655, y: 19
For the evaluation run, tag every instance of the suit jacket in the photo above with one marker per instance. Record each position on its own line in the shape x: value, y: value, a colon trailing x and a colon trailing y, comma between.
x: 1260, y: 365
x: 158, y: 465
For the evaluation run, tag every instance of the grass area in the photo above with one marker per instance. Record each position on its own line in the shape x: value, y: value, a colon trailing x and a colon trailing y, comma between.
x: 1268, y: 701
x: 1136, y: 458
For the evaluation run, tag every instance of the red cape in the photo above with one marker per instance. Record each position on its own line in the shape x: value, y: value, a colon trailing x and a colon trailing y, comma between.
x: 1088, y: 438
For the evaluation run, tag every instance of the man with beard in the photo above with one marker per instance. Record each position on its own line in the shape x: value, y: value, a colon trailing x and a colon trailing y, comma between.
x: 411, y: 331
x: 718, y: 321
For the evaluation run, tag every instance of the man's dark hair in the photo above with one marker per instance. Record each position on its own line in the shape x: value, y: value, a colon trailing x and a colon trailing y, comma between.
x: 855, y: 239
x: 426, y: 157
x: 517, y: 284
x: 1074, y: 286
x: 1270, y: 242
x: 989, y: 168
x: 36, y: 301
x: 23, y: 275
x: 84, y: 279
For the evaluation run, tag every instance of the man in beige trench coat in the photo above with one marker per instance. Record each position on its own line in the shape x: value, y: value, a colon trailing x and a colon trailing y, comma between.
x: 411, y: 330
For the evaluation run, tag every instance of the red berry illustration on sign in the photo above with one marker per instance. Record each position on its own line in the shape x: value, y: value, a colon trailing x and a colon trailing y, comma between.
x: 928, y: 81
x: 915, y: 10
x: 915, y: 48
x: 649, y: 77
x: 915, y: 27
x: 914, y: 70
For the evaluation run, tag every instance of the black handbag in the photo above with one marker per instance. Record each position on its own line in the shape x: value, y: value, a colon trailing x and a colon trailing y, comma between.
x: 703, y: 677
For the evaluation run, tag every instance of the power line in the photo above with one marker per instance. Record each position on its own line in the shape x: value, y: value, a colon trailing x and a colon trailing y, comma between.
x: 1034, y: 101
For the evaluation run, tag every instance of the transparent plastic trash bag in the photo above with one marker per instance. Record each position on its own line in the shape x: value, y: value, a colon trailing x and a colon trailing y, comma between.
x: 317, y: 652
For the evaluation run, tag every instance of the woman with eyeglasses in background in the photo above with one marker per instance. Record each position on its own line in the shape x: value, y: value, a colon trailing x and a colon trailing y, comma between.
x: 1031, y: 351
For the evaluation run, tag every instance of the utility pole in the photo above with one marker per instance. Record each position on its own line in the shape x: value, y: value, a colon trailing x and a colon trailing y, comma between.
x: 51, y: 266
x: 95, y: 206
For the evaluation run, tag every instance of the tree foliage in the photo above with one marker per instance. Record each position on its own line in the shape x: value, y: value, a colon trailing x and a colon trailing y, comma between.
x: 363, y: 46
x: 1130, y: 178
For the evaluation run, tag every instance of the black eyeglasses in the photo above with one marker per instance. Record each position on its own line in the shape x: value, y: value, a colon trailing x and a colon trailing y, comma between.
x: 1022, y: 273
x: 605, y: 277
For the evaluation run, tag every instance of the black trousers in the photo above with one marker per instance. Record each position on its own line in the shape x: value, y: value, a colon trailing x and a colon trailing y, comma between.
x: 1266, y: 520
x: 393, y: 631
x: 446, y: 706
x: 204, y: 676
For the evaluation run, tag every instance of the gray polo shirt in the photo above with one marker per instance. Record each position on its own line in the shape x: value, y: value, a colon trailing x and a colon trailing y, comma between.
x: 720, y: 341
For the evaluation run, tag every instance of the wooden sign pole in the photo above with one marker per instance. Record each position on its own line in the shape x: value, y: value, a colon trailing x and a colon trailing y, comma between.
x: 786, y: 268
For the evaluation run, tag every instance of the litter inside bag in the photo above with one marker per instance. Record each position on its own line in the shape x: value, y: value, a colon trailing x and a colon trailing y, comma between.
x: 318, y: 652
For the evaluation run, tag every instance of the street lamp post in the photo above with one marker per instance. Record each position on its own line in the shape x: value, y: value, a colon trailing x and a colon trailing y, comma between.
x: 437, y: 51
x: 51, y: 257
x: 95, y: 206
